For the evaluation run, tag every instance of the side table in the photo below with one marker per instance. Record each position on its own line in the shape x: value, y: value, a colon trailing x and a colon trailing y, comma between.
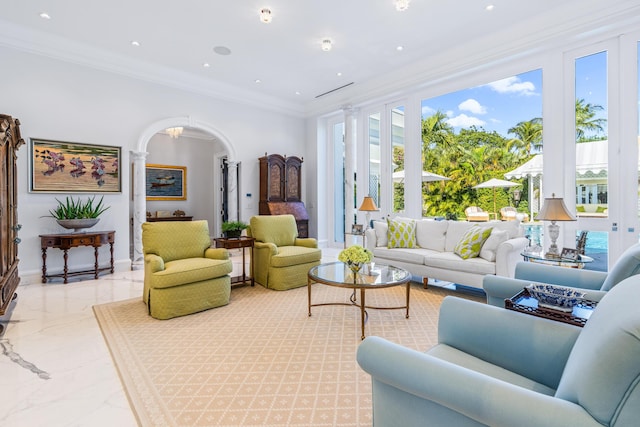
x: 236, y: 243
x: 560, y: 262
x: 66, y: 241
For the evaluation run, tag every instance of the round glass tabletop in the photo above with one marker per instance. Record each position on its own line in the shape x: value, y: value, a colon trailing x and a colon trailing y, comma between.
x: 379, y: 276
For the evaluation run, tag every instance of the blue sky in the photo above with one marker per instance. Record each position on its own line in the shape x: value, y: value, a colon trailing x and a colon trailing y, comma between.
x: 502, y: 104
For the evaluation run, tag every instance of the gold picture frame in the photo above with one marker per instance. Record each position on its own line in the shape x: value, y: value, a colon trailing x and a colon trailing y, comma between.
x: 165, y: 182
x: 72, y: 167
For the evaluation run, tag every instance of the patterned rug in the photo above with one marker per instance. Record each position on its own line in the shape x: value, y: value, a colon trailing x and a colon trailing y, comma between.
x: 261, y: 360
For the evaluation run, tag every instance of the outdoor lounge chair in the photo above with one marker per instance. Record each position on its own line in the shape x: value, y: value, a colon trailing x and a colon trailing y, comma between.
x: 475, y: 214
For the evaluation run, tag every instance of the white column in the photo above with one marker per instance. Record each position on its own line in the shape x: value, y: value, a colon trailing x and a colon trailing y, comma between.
x: 232, y: 191
x: 350, y: 165
x: 139, y: 206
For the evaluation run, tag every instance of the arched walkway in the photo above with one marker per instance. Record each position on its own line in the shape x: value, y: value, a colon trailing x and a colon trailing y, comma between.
x: 139, y: 157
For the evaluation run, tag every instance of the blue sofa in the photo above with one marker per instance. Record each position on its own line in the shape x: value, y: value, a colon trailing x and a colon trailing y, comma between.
x: 496, y: 367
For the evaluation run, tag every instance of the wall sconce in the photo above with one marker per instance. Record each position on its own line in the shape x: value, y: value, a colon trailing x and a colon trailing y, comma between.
x: 368, y: 206
x: 554, y: 210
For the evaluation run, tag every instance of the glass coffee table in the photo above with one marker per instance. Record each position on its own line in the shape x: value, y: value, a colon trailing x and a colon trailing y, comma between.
x: 338, y: 274
x: 540, y: 257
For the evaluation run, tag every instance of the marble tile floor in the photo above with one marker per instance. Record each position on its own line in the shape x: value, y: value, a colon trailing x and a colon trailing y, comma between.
x: 55, y: 367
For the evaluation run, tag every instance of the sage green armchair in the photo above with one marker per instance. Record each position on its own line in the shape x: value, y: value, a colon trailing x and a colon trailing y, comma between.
x: 182, y: 273
x: 280, y: 259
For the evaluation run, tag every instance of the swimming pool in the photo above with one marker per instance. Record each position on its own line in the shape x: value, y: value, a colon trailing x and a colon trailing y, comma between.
x: 597, y: 241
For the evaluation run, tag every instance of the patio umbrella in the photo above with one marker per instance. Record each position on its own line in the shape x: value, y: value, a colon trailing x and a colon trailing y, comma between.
x: 493, y: 183
x: 398, y: 176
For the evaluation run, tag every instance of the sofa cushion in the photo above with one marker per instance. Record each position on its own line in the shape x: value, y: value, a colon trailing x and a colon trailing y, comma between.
x: 412, y: 256
x: 512, y: 228
x: 402, y: 234
x: 451, y: 261
x: 455, y: 231
x: 381, y: 228
x: 488, y: 250
x: 431, y: 234
x: 471, y: 243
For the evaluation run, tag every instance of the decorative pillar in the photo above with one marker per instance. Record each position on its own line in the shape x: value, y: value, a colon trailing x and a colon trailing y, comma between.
x: 232, y: 191
x: 349, y: 166
x: 139, y: 206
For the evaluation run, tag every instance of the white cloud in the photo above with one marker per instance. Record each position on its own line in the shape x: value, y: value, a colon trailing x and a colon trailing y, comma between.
x: 513, y: 85
x: 464, y: 121
x: 472, y: 106
x: 427, y: 111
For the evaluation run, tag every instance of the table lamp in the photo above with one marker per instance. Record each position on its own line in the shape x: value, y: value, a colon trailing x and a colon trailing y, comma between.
x: 368, y: 206
x: 554, y: 210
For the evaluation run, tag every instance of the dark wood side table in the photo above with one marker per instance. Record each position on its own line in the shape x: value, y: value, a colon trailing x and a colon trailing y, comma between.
x: 66, y: 241
x: 236, y: 243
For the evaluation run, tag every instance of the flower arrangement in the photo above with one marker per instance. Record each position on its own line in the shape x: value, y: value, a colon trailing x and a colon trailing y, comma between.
x: 355, y: 256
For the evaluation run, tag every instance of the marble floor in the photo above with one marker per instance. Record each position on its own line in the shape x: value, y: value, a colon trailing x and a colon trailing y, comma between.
x: 55, y: 368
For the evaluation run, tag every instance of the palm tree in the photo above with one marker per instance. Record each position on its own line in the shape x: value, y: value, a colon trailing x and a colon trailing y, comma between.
x: 586, y: 121
x: 528, y: 136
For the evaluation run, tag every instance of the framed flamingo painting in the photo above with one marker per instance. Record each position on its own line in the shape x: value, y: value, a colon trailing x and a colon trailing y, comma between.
x: 71, y: 167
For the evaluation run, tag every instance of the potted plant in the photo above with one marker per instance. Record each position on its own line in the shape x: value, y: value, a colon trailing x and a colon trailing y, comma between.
x: 233, y: 229
x: 78, y: 214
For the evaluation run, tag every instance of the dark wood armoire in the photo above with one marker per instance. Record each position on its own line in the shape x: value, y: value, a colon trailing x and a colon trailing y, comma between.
x: 281, y: 189
x: 10, y: 141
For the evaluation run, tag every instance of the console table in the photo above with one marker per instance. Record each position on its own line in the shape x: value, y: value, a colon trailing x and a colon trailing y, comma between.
x: 66, y: 241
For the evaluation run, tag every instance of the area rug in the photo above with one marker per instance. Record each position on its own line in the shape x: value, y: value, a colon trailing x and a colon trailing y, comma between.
x: 261, y: 360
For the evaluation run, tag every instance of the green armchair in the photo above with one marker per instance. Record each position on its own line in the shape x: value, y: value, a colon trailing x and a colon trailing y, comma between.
x: 280, y: 259
x: 182, y: 273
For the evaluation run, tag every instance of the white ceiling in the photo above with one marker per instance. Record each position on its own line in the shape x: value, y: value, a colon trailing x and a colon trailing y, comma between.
x: 177, y: 37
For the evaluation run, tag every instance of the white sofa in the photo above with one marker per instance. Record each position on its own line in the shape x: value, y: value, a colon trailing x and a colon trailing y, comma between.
x: 435, y: 257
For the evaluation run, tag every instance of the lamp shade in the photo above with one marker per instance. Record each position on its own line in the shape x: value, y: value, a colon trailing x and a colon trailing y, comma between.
x: 554, y: 209
x: 368, y: 204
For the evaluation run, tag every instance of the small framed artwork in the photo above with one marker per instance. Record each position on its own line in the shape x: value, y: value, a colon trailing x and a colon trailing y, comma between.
x: 570, y: 253
x: 166, y: 182
x: 71, y: 167
x: 357, y: 229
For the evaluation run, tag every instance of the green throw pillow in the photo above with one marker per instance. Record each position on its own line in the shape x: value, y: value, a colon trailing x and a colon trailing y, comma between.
x: 580, y: 208
x: 401, y: 234
x: 471, y: 243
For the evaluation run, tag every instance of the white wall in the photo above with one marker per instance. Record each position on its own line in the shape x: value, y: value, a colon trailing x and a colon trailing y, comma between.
x: 62, y: 101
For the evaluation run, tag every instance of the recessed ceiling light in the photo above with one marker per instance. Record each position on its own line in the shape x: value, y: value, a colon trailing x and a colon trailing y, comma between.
x: 489, y: 8
x: 258, y: 81
x: 400, y: 48
x: 326, y: 45
x: 402, y: 5
x: 265, y: 15
x: 45, y: 15
x: 135, y: 43
x: 297, y: 92
x: 338, y: 74
x: 206, y: 65
x: 222, y: 50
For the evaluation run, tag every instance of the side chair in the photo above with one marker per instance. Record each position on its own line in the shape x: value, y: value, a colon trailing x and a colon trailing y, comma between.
x: 281, y: 260
x: 182, y: 273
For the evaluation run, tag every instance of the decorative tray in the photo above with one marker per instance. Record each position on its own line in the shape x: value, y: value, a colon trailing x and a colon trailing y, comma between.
x: 525, y: 303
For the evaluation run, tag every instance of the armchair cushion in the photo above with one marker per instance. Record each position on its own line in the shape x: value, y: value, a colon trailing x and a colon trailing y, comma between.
x: 627, y: 265
x: 294, y: 255
x: 280, y: 230
x: 190, y: 270
x: 189, y: 239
